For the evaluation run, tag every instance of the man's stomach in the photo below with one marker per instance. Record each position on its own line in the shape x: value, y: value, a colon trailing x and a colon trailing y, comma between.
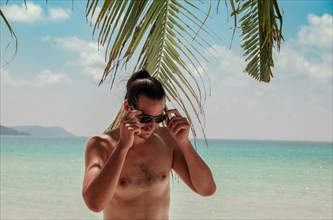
x: 151, y: 202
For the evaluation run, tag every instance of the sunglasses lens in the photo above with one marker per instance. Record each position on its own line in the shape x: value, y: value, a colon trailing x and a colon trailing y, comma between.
x: 145, y: 119
x: 160, y: 119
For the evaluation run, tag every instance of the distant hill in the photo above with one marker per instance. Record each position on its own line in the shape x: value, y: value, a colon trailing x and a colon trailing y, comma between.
x: 9, y: 131
x: 40, y: 131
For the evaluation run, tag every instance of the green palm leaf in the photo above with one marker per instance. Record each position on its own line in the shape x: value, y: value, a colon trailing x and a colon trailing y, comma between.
x: 12, y: 34
x: 165, y: 44
x: 260, y: 31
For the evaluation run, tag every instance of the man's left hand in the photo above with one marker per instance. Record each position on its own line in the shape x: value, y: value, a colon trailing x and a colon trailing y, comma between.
x: 178, y: 126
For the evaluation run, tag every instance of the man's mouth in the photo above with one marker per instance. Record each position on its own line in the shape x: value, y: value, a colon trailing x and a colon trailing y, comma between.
x: 146, y: 128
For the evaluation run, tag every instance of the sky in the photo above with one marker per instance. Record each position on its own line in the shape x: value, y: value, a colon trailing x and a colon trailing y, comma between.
x: 53, y: 79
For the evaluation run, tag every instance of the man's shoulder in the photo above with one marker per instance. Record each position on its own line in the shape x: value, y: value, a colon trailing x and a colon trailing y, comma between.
x: 105, y: 140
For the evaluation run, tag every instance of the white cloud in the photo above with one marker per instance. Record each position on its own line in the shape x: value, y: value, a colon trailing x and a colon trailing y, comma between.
x: 293, y: 63
x: 24, y: 14
x: 229, y: 60
x: 70, y: 43
x: 318, y: 33
x: 45, y: 78
x: 33, y: 13
x: 91, y: 59
x: 94, y: 72
x: 310, y: 55
x: 230, y: 67
x: 45, y: 38
x: 59, y: 14
x: 5, y: 77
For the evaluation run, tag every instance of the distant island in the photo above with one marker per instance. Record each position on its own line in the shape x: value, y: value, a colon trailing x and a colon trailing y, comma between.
x: 9, y: 131
x: 35, y: 131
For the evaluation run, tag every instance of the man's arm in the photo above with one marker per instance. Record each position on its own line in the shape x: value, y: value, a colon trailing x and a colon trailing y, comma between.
x: 102, y: 173
x: 193, y: 170
x: 187, y: 163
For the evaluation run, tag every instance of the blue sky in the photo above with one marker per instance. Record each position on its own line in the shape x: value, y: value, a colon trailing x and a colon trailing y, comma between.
x: 53, y: 79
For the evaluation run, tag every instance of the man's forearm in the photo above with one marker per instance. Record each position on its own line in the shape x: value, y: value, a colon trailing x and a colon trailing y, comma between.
x: 200, y: 174
x: 100, y: 190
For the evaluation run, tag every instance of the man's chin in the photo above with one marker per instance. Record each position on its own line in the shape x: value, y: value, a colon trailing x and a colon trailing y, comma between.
x: 145, y: 134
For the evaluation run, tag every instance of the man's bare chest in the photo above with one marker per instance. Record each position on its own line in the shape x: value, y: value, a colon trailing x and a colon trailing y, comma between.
x: 146, y: 167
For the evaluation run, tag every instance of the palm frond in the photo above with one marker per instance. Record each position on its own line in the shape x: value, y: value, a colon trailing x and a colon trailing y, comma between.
x: 261, y: 30
x: 12, y: 34
x: 164, y: 43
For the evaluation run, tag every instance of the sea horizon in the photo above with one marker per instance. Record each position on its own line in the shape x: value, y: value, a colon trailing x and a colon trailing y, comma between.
x: 191, y: 139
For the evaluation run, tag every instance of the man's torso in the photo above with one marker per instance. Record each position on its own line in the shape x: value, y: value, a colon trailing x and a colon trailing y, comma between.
x: 143, y: 190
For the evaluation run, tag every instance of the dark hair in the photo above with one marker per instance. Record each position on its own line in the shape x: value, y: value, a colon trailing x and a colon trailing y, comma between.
x: 141, y: 83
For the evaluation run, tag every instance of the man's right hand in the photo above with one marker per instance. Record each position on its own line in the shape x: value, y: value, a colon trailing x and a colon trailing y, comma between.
x: 129, y: 127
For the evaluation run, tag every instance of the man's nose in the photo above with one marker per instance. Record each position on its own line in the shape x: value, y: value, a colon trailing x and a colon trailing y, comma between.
x: 152, y: 123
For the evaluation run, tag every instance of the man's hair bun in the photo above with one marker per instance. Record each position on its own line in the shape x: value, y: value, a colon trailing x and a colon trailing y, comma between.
x: 141, y: 83
x: 141, y: 74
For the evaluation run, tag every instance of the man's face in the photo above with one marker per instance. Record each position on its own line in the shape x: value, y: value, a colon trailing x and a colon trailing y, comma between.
x: 149, y: 107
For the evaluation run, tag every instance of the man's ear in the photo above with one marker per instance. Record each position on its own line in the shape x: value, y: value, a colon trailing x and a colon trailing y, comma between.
x: 126, y: 105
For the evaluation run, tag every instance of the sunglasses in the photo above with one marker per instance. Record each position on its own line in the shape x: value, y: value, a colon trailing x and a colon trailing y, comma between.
x: 148, y: 118
x: 144, y: 119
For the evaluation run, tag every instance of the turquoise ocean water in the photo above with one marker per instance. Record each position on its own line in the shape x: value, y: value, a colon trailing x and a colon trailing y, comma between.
x: 41, y: 179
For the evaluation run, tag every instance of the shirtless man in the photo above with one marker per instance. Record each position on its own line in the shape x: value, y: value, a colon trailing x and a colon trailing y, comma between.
x: 127, y: 170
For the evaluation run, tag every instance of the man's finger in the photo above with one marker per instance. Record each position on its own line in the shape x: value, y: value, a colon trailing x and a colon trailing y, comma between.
x: 179, y: 126
x: 174, y: 121
x: 173, y: 111
x: 134, y: 112
x: 131, y: 114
